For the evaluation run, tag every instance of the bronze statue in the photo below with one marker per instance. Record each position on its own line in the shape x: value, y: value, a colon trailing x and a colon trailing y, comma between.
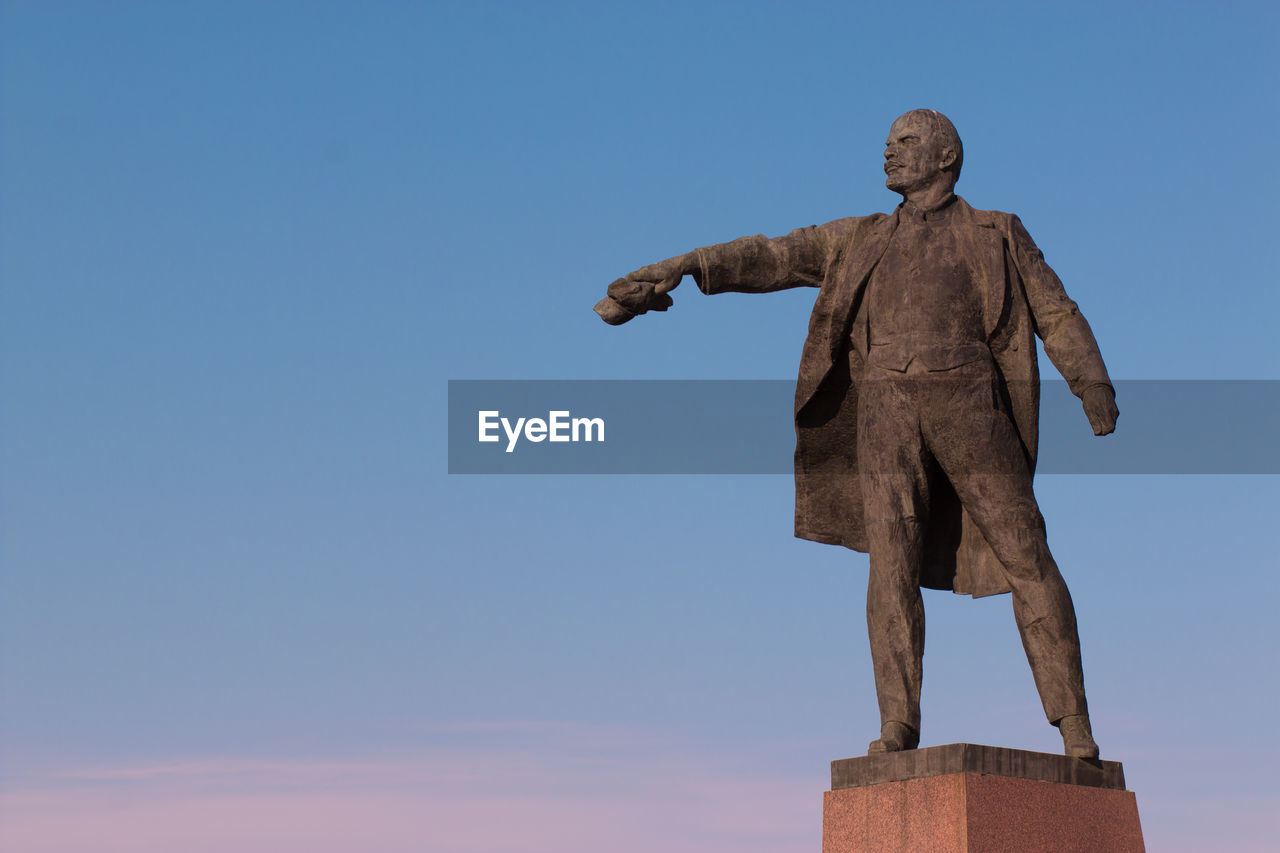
x: 916, y: 409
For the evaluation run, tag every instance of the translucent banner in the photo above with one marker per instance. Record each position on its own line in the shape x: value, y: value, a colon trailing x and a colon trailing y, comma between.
x: 748, y: 427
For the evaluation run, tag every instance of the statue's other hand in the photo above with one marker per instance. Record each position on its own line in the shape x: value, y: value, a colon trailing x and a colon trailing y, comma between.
x: 646, y: 289
x: 1100, y: 407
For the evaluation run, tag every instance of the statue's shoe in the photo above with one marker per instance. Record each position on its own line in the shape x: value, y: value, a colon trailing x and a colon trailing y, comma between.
x: 894, y: 737
x: 1077, y: 737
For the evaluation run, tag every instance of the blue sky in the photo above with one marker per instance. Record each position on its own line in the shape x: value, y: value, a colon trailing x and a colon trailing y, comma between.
x: 243, y: 248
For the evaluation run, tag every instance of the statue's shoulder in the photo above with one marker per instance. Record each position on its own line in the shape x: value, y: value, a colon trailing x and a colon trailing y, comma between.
x: 987, y: 218
x: 1009, y: 225
x: 849, y: 223
x: 853, y: 227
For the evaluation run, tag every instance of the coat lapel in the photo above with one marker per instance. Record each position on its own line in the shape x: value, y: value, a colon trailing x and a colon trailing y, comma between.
x: 834, y: 308
x: 985, y: 251
x: 852, y: 281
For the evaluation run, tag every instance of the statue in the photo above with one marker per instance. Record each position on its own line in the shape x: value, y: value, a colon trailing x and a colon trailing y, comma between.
x: 916, y: 409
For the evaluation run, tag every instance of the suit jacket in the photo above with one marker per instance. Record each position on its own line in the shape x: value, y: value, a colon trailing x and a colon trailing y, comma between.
x: 1022, y: 297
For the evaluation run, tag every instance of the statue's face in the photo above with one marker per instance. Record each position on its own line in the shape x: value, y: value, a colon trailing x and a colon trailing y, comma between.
x: 913, y: 156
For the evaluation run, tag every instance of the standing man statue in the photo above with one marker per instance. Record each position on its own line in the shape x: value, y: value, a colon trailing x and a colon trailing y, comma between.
x: 916, y: 409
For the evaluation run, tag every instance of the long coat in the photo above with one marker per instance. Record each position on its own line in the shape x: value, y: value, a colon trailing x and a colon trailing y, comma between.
x: 1022, y: 297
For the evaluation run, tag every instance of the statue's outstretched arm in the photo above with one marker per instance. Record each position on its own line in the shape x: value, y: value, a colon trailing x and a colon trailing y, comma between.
x: 756, y: 264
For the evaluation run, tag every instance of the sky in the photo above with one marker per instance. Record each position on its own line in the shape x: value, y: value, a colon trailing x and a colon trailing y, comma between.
x: 244, y: 247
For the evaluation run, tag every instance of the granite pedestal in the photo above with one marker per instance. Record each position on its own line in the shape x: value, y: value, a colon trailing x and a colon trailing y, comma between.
x: 965, y: 798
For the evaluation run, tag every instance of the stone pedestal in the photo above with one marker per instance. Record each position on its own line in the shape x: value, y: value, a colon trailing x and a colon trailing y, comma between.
x: 964, y: 798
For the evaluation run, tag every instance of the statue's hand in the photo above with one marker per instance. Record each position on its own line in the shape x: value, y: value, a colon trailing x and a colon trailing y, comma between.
x: 1100, y: 407
x: 646, y: 289
x: 665, y: 275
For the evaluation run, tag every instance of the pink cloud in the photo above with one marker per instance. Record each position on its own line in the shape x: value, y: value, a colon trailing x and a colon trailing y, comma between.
x: 515, y: 787
x: 1240, y: 825
x: 563, y: 797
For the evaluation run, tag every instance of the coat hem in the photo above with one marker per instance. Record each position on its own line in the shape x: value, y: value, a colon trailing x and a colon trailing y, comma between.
x: 826, y: 538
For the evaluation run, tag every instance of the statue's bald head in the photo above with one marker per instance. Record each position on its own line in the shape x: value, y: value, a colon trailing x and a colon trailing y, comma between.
x: 944, y: 134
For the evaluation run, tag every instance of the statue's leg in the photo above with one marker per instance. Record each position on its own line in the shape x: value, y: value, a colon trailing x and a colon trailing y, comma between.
x: 1042, y: 606
x: 978, y: 448
x: 1004, y: 509
x: 892, y: 469
x: 895, y: 619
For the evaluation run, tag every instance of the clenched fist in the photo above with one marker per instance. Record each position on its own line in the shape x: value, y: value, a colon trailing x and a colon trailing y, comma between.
x: 646, y: 289
x: 1100, y: 407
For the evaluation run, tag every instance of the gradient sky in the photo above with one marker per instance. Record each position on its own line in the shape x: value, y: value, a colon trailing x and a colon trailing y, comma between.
x: 243, y: 247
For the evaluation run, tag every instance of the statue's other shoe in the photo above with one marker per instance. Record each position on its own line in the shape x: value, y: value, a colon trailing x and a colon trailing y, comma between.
x: 1077, y: 737
x: 894, y: 737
